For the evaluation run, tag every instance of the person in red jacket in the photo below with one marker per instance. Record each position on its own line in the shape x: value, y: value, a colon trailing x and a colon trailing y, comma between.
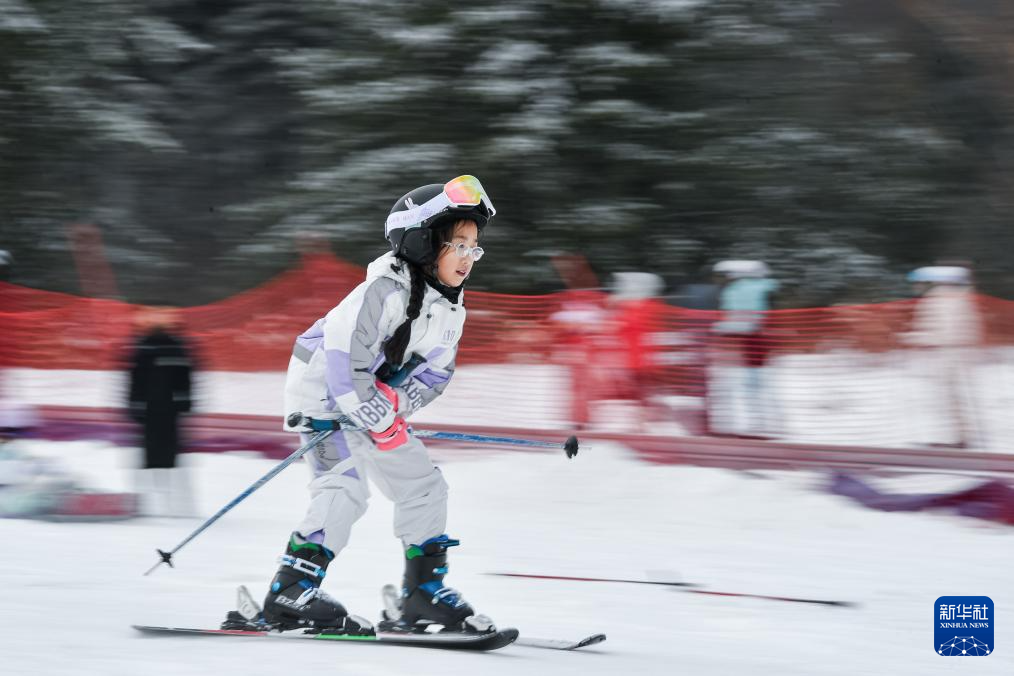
x: 636, y: 317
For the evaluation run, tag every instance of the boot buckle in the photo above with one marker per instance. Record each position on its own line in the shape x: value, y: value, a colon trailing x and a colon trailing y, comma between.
x: 302, y: 565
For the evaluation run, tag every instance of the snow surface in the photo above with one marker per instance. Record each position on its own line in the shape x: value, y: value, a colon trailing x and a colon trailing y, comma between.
x: 72, y: 589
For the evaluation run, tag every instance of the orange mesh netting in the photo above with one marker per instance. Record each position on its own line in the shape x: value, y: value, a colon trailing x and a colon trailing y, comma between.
x: 880, y: 374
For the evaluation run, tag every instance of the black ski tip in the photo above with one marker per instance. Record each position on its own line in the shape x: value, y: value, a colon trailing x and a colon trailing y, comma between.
x: 570, y: 447
x: 507, y: 636
x: 591, y: 640
x: 843, y: 604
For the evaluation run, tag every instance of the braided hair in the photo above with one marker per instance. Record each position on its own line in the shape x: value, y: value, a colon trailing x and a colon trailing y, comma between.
x: 394, y: 348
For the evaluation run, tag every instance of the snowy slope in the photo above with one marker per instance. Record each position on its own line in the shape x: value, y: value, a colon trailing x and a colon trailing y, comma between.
x: 72, y: 590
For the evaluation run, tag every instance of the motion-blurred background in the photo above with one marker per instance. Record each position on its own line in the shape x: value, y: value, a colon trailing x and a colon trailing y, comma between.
x: 730, y: 233
x: 237, y: 159
x: 842, y: 142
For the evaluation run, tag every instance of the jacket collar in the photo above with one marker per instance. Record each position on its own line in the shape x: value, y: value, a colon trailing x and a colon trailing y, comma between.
x: 382, y: 267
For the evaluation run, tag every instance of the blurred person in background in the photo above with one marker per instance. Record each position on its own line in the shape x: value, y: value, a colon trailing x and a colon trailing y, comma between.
x: 380, y: 355
x: 34, y: 486
x: 704, y: 293
x: 947, y: 330
x: 701, y: 298
x: 577, y: 324
x: 742, y: 404
x: 29, y: 486
x: 159, y: 394
x: 636, y: 314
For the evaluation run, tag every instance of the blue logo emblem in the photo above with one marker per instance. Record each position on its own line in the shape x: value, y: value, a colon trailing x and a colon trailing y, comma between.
x: 963, y: 626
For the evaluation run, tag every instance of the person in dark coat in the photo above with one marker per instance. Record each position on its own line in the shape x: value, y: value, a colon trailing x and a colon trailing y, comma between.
x: 160, y: 375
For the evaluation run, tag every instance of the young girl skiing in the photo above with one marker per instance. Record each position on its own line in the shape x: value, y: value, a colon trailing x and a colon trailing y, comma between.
x: 408, y: 314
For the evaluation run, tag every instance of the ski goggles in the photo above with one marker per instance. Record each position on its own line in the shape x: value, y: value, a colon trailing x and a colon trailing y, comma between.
x: 463, y: 191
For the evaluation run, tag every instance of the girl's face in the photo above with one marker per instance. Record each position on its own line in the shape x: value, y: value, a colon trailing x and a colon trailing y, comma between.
x: 450, y: 269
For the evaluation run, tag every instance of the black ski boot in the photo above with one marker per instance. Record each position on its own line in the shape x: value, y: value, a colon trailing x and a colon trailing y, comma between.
x: 295, y: 600
x: 424, y: 599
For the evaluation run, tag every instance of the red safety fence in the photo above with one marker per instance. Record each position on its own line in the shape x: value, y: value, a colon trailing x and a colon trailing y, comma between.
x: 884, y: 374
x: 252, y: 331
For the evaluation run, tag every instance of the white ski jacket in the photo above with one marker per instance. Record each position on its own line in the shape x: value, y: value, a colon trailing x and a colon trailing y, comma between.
x: 334, y: 361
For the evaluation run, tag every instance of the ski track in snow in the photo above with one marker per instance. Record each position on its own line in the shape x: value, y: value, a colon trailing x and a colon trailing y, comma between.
x: 73, y: 589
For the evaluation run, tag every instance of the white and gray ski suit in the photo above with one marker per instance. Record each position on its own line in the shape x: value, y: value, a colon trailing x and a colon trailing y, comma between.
x: 332, y: 371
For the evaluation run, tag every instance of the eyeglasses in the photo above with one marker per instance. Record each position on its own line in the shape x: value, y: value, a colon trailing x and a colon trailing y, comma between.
x: 464, y: 250
x: 463, y: 191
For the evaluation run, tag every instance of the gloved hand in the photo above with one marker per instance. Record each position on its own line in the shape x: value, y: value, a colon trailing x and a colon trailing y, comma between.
x: 397, y: 434
x: 409, y: 399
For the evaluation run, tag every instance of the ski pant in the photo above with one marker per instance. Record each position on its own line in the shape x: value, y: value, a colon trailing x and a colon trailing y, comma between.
x: 338, y: 492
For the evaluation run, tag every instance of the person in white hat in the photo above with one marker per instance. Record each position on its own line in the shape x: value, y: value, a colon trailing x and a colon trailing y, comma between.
x: 947, y: 329
x: 745, y: 299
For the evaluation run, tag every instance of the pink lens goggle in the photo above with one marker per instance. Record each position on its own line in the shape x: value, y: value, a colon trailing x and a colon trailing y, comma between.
x: 463, y: 191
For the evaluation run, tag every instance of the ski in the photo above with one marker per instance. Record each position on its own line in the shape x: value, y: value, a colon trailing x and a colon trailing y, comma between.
x: 392, y: 611
x: 447, y: 641
x: 559, y: 644
x: 570, y: 578
x: 248, y: 621
x: 768, y: 597
x: 685, y: 587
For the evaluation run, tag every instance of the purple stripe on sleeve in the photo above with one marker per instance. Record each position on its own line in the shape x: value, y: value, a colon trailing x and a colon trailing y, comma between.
x: 311, y: 344
x: 339, y: 373
x: 310, y: 339
x: 431, y: 378
x: 433, y: 354
x: 315, y: 331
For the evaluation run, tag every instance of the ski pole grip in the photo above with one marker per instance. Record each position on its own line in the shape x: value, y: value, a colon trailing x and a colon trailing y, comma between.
x: 309, y: 424
x: 319, y: 425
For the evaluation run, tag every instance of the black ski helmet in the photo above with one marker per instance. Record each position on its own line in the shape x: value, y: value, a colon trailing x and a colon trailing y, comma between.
x: 414, y: 242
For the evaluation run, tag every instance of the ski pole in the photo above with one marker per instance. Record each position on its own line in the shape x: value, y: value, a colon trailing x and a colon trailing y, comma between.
x: 325, y: 427
x: 570, y: 446
x: 166, y: 557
